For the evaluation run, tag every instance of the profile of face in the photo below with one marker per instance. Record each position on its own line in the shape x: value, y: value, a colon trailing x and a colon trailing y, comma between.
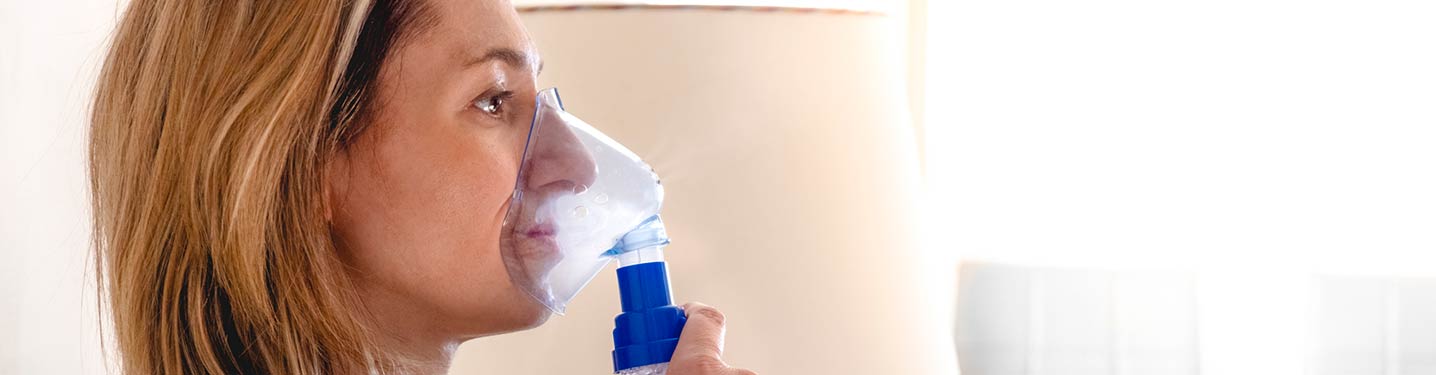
x: 421, y: 200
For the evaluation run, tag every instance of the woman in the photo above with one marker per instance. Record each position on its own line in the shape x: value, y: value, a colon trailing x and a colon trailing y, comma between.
x: 317, y: 187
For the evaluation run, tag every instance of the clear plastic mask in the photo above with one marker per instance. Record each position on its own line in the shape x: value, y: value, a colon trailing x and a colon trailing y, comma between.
x: 578, y: 193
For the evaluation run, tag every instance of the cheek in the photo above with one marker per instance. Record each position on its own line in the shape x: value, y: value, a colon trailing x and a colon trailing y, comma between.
x: 424, y: 215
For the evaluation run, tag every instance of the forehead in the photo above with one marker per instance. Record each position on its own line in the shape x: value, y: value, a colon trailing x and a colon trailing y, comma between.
x: 468, y: 28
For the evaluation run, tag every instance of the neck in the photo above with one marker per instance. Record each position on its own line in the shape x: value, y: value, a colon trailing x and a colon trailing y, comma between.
x: 435, y: 361
x: 418, y: 345
x: 421, y: 358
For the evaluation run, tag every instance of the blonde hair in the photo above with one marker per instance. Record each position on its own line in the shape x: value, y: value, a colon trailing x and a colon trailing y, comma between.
x: 210, y: 132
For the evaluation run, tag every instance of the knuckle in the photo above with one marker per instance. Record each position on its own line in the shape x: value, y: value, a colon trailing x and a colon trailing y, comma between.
x: 707, y: 312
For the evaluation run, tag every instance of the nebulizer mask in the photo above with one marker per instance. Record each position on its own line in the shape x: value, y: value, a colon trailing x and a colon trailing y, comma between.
x: 581, y: 201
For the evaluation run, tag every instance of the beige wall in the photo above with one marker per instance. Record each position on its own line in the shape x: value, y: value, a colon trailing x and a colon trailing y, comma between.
x: 785, y: 146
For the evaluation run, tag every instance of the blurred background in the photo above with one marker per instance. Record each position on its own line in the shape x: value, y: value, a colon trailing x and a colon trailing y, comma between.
x: 919, y: 187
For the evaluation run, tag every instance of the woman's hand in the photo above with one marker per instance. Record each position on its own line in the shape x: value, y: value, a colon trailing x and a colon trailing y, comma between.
x: 700, y: 346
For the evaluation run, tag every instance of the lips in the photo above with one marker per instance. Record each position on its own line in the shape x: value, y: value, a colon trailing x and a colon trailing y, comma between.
x: 539, y: 231
x: 538, y: 247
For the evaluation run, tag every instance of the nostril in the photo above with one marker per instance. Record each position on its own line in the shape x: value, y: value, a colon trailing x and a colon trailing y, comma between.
x: 561, y: 186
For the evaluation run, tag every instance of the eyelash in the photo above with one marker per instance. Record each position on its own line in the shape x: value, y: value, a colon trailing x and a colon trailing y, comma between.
x: 493, y: 105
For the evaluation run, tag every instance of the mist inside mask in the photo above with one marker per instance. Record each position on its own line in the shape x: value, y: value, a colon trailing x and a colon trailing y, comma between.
x: 578, y: 193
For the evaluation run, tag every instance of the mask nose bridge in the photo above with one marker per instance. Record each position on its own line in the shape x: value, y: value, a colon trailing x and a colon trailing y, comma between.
x: 558, y: 158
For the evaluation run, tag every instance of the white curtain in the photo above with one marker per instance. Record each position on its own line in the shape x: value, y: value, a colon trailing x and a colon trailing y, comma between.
x: 1277, y: 152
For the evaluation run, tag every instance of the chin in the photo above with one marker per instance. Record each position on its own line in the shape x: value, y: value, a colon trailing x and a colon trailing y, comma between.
x: 534, y: 320
x: 530, y: 315
x: 521, y: 314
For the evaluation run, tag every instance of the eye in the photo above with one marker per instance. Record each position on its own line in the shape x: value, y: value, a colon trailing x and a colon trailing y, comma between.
x: 493, y: 104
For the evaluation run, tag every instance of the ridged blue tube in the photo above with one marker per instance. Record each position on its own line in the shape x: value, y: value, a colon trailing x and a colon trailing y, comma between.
x: 647, y: 331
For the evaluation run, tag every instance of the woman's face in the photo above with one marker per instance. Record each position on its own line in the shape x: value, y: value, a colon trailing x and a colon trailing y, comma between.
x: 420, y: 197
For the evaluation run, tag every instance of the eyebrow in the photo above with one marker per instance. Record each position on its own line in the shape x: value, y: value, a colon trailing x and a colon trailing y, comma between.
x: 509, y: 56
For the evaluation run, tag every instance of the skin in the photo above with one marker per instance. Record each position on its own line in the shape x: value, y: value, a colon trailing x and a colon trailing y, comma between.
x: 419, y: 199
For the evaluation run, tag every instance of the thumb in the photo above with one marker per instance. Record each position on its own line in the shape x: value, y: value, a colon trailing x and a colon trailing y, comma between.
x: 701, y: 342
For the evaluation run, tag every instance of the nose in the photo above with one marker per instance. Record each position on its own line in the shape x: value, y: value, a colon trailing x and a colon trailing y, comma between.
x: 558, y: 159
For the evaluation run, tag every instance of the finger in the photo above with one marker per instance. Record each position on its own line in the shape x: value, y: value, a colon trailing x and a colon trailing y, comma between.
x: 702, y: 337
